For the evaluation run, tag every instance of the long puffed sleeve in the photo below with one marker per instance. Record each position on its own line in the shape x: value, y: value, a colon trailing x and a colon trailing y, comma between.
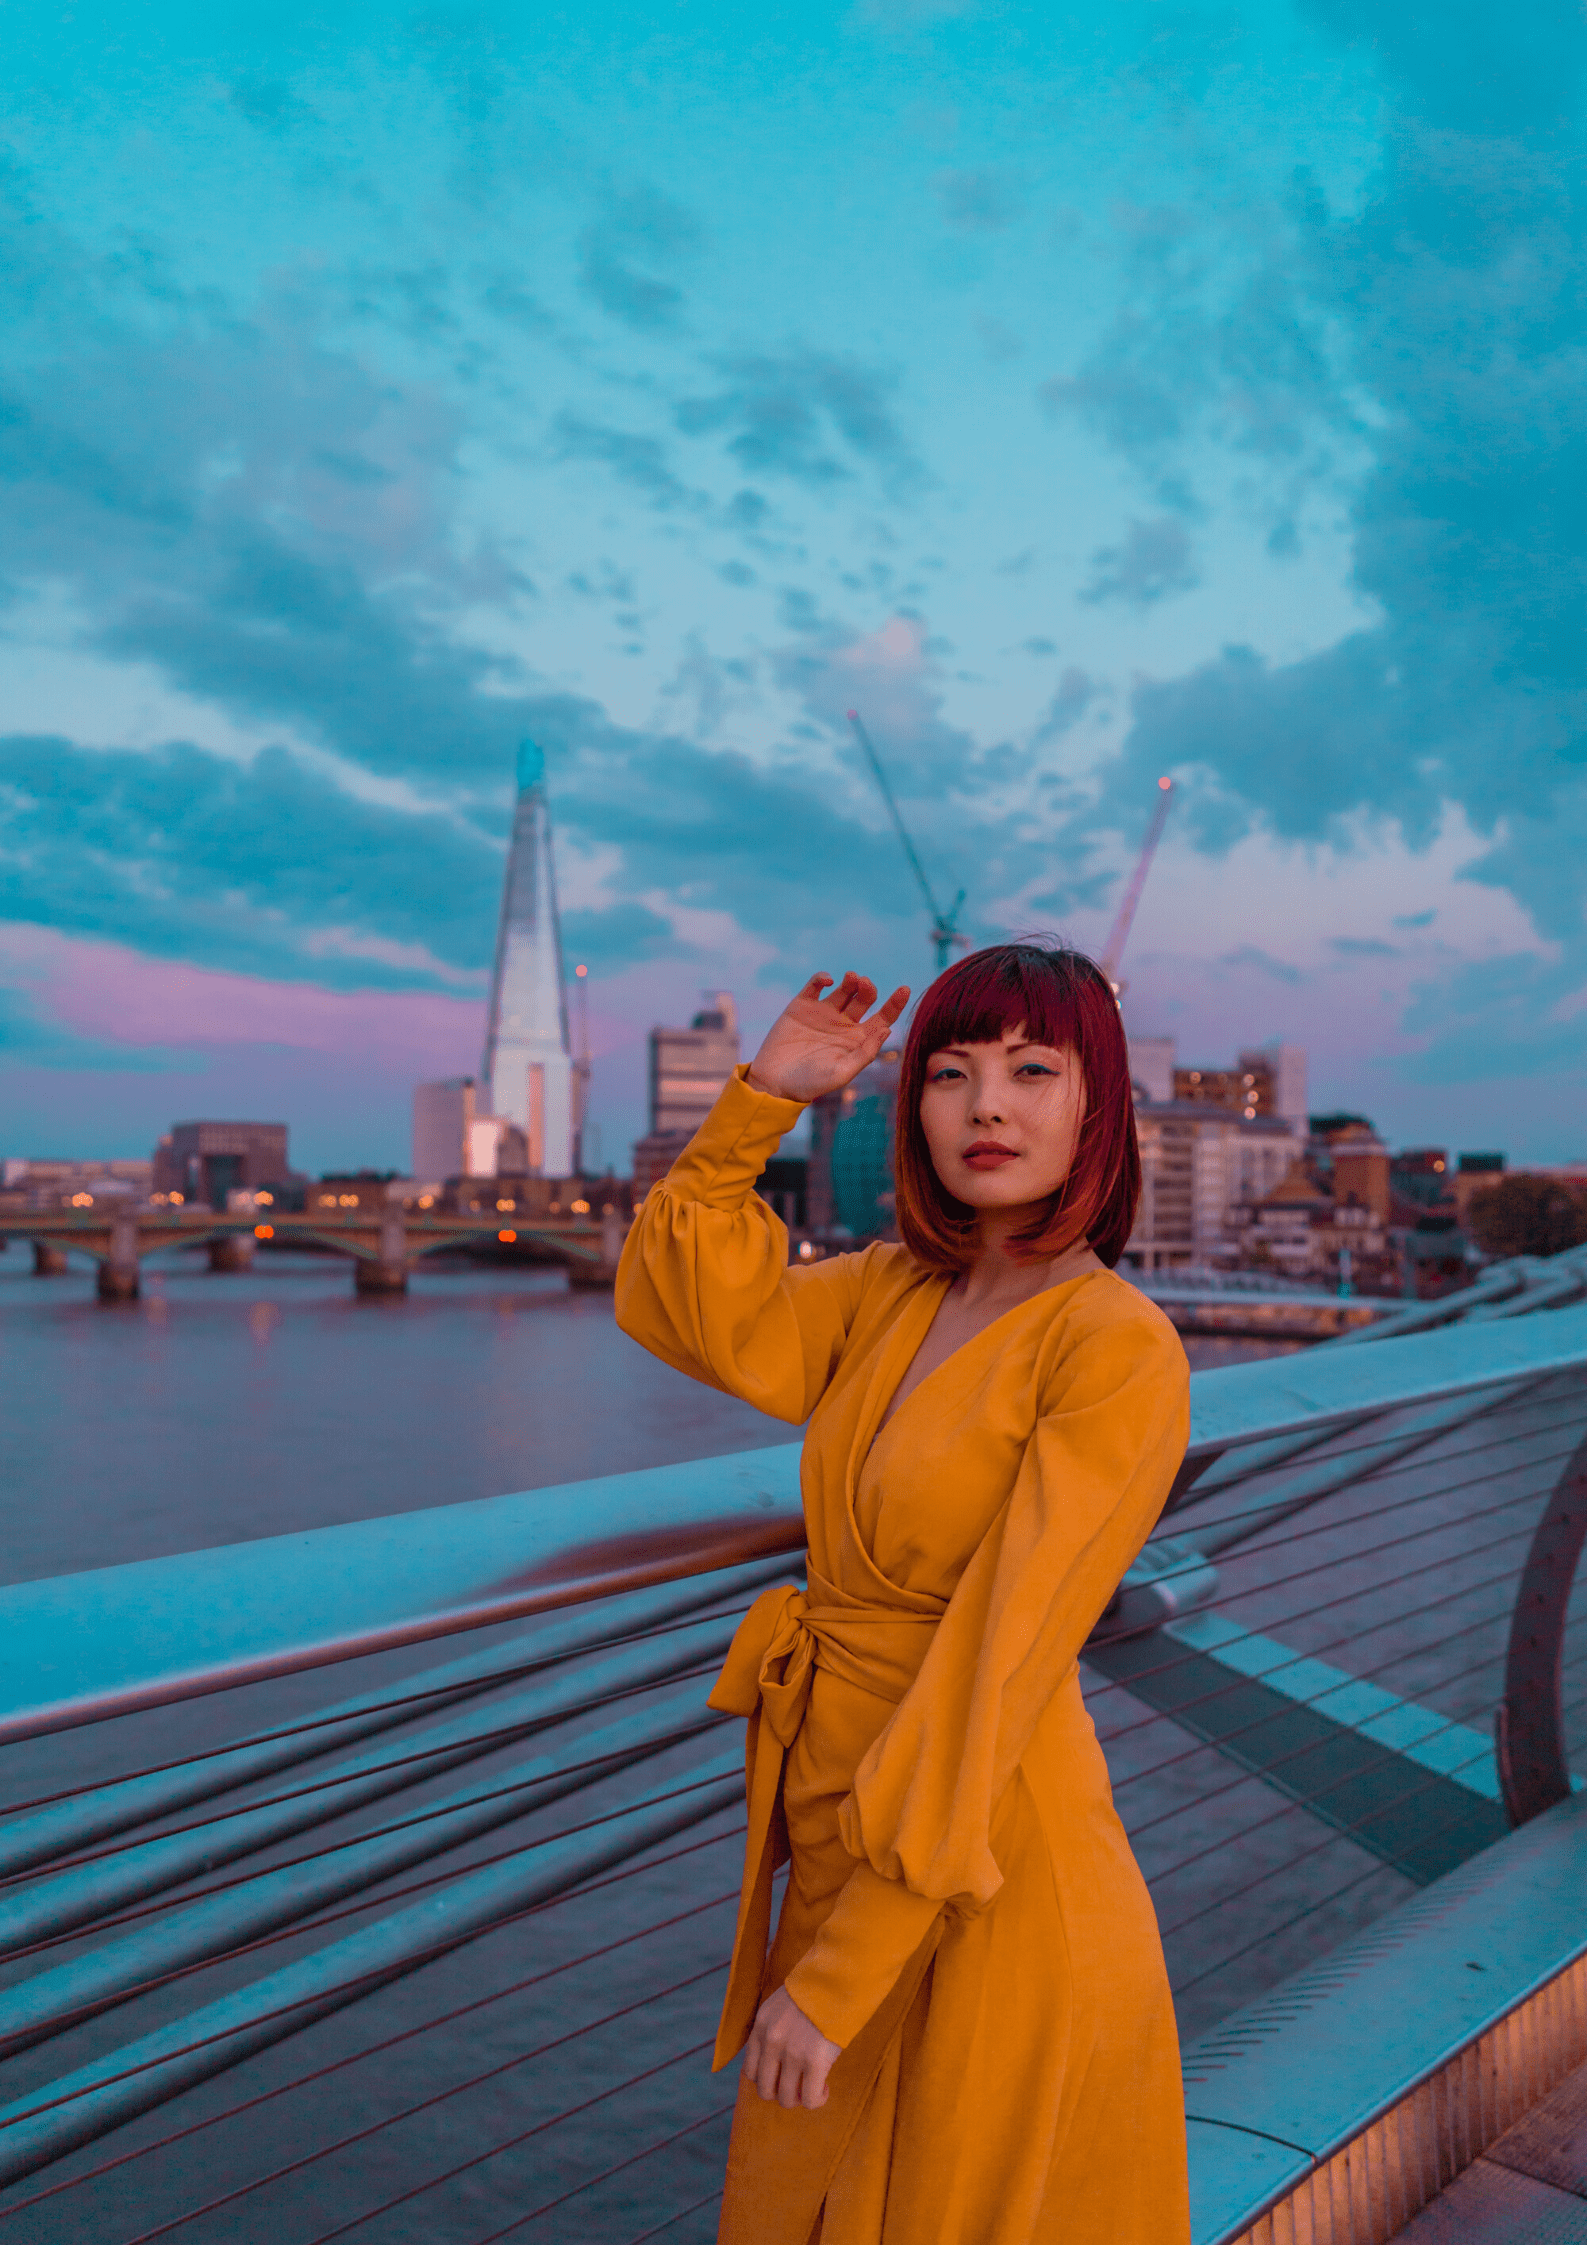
x: 704, y: 1282
x: 1093, y: 1481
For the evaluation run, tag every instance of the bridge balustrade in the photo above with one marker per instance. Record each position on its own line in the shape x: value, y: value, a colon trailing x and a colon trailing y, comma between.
x: 433, y: 1948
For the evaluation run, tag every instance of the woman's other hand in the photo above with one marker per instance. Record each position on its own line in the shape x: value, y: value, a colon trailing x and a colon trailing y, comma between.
x: 787, y: 2056
x: 818, y: 1044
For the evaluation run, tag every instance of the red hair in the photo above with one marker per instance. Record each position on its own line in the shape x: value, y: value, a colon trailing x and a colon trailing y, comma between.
x: 1060, y: 998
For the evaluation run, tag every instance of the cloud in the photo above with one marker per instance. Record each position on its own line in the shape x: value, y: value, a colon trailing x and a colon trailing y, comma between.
x: 1362, y: 947
x: 263, y: 867
x: 1440, y: 319
x: 1415, y: 919
x: 271, y: 106
x: 810, y: 416
x: 620, y: 253
x: 33, y: 1037
x: 1250, y: 955
x: 639, y: 461
x: 1153, y: 562
x: 978, y: 202
x: 1076, y: 692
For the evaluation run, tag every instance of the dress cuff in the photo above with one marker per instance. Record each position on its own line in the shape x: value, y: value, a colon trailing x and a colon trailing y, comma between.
x: 731, y: 1147
x: 847, y: 1973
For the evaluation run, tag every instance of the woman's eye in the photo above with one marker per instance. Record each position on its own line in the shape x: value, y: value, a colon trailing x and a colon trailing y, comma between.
x: 944, y: 1075
x: 1034, y: 1068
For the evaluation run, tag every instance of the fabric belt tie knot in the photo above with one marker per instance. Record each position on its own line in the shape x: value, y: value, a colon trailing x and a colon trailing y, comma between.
x: 768, y: 1677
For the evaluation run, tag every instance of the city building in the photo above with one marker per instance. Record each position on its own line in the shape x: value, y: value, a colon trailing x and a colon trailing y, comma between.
x: 527, y: 1073
x: 1476, y: 1173
x: 453, y: 1138
x: 28, y: 1185
x: 654, y: 1155
x: 1267, y: 1081
x: 204, y: 1161
x: 348, y: 1189
x: 688, y: 1067
x: 1204, y: 1168
x: 1152, y: 1068
x: 849, y: 1174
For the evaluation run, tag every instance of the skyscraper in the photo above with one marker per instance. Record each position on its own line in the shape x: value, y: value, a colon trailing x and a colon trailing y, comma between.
x: 528, y: 1067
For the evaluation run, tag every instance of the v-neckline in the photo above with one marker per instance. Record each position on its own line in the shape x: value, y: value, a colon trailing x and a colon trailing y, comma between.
x: 877, y: 1421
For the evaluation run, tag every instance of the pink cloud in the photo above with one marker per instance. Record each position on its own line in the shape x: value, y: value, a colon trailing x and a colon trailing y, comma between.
x: 106, y: 991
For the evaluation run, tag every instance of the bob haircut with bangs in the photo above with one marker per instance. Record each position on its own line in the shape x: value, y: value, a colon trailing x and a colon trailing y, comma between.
x: 1060, y: 998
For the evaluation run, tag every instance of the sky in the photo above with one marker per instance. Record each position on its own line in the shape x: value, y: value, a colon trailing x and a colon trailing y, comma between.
x: 1086, y: 395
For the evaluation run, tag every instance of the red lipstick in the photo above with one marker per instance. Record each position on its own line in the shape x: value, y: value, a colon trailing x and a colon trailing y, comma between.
x: 987, y: 1153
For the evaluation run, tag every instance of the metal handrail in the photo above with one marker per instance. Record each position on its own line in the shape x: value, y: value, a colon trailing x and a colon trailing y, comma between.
x: 80, y: 1648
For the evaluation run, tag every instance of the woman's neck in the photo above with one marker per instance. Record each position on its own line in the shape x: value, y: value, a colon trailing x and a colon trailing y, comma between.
x: 996, y: 1275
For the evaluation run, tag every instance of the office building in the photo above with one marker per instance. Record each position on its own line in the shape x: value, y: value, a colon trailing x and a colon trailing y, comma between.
x: 849, y: 1177
x: 204, y: 1161
x: 452, y: 1137
x: 1204, y: 1167
x: 527, y: 1072
x: 688, y: 1067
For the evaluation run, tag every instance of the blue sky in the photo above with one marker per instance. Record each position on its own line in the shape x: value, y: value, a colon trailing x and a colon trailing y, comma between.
x: 1084, y: 394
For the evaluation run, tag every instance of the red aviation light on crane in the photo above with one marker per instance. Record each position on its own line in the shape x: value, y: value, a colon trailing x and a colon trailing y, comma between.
x: 1165, y: 785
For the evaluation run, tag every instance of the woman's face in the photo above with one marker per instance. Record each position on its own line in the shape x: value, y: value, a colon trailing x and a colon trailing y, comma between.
x: 1002, y: 1120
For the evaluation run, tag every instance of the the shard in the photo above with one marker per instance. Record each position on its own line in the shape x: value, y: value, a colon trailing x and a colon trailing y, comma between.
x: 528, y: 1067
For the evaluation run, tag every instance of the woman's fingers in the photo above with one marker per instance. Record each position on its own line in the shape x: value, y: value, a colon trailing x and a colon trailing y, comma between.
x: 896, y: 1004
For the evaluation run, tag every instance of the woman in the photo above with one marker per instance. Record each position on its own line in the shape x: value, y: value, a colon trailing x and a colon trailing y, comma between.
x: 962, y: 2034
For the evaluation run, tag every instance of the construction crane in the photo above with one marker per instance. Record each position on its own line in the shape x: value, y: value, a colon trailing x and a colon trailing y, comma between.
x: 945, y: 934
x: 1114, y: 953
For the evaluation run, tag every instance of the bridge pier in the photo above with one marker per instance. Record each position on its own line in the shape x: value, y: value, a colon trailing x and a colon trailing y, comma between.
x: 233, y: 1251
x: 118, y: 1273
x: 595, y: 1276
x: 387, y: 1272
x: 48, y: 1262
x: 374, y: 1275
x: 584, y: 1276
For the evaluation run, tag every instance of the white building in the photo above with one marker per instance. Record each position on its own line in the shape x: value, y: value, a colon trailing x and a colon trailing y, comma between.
x: 1203, y: 1169
x: 527, y: 1073
x: 451, y: 1137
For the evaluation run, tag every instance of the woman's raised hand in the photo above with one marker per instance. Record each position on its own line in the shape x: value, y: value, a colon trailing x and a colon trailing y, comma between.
x: 819, y: 1043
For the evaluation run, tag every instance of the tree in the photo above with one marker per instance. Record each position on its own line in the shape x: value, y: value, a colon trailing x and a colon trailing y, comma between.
x: 1523, y: 1215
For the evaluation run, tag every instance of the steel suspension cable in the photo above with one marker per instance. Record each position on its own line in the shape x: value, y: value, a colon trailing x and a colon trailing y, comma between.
x: 438, y: 1692
x: 1265, y: 1772
x: 1224, y: 1738
x: 510, y: 2143
x: 376, y: 1979
x: 423, y: 2104
x: 664, y: 2143
x: 441, y: 2019
x: 487, y: 1741
x: 1190, y: 1652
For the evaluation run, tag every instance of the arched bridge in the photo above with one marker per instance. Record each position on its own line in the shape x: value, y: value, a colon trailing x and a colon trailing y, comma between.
x: 383, y: 1244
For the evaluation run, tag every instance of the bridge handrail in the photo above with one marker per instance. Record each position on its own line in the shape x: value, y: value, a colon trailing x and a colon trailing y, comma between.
x: 80, y: 1648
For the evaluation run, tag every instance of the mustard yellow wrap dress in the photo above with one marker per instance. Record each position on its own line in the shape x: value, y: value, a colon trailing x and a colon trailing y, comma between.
x: 963, y: 1913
